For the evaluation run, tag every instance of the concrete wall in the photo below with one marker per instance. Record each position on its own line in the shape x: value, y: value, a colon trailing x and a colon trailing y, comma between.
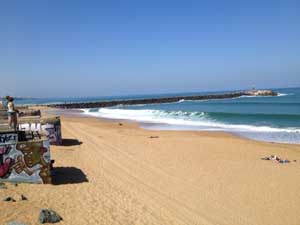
x: 24, y: 161
x: 28, y: 112
x: 22, y: 113
x: 51, y: 127
x: 3, y: 114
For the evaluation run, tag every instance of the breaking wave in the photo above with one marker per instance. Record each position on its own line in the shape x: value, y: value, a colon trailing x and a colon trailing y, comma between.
x: 284, y: 94
x: 253, y: 96
x: 200, y: 120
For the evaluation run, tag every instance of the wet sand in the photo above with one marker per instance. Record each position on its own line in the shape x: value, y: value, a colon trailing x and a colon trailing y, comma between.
x: 107, y: 173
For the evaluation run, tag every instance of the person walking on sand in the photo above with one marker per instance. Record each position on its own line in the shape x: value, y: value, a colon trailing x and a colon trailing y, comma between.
x: 12, y: 113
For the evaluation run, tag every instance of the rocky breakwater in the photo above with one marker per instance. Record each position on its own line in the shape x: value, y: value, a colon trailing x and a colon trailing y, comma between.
x: 261, y: 93
x: 163, y: 100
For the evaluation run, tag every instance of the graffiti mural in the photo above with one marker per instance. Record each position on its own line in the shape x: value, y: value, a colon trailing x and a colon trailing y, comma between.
x: 30, y: 126
x: 8, y: 138
x: 51, y: 127
x: 25, y: 161
x: 53, y: 132
x: 5, y: 161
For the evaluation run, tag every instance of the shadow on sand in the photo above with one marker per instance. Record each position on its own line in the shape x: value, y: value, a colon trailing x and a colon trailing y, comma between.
x: 70, y: 142
x: 68, y: 175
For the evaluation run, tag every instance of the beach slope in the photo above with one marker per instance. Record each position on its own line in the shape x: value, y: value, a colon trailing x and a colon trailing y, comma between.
x: 111, y: 173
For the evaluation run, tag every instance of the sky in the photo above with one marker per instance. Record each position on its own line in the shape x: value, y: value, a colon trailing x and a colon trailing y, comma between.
x: 73, y: 48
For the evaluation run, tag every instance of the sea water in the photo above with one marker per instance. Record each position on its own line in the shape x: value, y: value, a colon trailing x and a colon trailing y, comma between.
x: 270, y: 118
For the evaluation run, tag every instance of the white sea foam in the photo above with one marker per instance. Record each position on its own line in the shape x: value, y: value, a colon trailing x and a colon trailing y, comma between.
x: 284, y: 94
x: 248, y: 96
x: 267, y: 96
x: 85, y: 111
x: 196, y: 120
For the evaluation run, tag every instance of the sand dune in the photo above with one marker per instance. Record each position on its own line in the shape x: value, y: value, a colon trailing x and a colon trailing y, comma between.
x: 112, y: 174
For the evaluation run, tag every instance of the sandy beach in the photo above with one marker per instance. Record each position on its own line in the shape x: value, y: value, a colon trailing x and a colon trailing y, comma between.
x: 111, y: 173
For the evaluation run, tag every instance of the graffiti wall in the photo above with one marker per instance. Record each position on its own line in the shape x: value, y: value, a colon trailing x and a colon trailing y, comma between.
x: 34, y: 126
x: 8, y: 138
x: 53, y: 132
x: 24, y: 161
x: 50, y: 127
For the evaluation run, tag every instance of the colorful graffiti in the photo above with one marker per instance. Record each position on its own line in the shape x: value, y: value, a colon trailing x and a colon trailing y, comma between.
x: 25, y: 161
x: 51, y: 128
x: 53, y: 132
x: 8, y: 138
x: 5, y: 161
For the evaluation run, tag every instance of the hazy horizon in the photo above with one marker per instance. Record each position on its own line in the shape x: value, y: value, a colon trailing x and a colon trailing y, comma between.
x: 153, y: 94
x: 117, y: 48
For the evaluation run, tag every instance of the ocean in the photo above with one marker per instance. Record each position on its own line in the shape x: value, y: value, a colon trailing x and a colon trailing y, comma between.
x: 272, y: 119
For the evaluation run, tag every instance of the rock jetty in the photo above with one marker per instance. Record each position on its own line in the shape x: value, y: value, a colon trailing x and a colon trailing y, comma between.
x: 261, y: 93
x: 164, y: 100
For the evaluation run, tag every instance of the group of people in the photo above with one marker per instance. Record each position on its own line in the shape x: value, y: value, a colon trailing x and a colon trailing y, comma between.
x: 11, y: 112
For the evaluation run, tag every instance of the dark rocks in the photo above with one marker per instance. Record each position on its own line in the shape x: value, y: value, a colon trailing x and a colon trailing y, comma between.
x: 153, y: 137
x: 261, y: 93
x: 49, y: 216
x: 23, y: 198
x: 164, y: 100
x: 8, y: 199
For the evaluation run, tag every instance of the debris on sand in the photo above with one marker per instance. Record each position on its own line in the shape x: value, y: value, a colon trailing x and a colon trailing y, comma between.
x: 154, y: 137
x: 272, y: 157
x: 8, y: 199
x: 275, y: 158
x: 284, y: 161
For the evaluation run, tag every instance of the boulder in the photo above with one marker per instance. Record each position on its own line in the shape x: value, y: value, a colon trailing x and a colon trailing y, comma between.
x: 23, y: 198
x: 261, y: 93
x: 49, y: 216
x: 8, y: 199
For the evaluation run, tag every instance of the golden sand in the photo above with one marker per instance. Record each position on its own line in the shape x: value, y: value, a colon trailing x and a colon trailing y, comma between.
x: 119, y: 175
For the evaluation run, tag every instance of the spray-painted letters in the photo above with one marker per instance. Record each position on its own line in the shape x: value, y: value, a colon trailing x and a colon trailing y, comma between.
x: 51, y: 128
x: 25, y: 161
x: 8, y: 138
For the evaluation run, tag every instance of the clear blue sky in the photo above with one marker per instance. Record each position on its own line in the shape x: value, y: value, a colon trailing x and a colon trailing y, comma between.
x: 92, y: 48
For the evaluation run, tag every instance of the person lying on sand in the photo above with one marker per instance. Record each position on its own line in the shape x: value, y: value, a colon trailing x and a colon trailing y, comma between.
x: 276, y: 158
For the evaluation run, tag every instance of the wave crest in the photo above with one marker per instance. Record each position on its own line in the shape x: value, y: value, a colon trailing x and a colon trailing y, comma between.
x: 198, y: 120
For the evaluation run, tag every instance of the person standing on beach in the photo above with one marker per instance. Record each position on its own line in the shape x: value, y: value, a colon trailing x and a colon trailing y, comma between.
x: 11, y: 112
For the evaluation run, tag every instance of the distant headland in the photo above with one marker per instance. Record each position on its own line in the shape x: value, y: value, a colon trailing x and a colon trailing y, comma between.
x: 164, y: 99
